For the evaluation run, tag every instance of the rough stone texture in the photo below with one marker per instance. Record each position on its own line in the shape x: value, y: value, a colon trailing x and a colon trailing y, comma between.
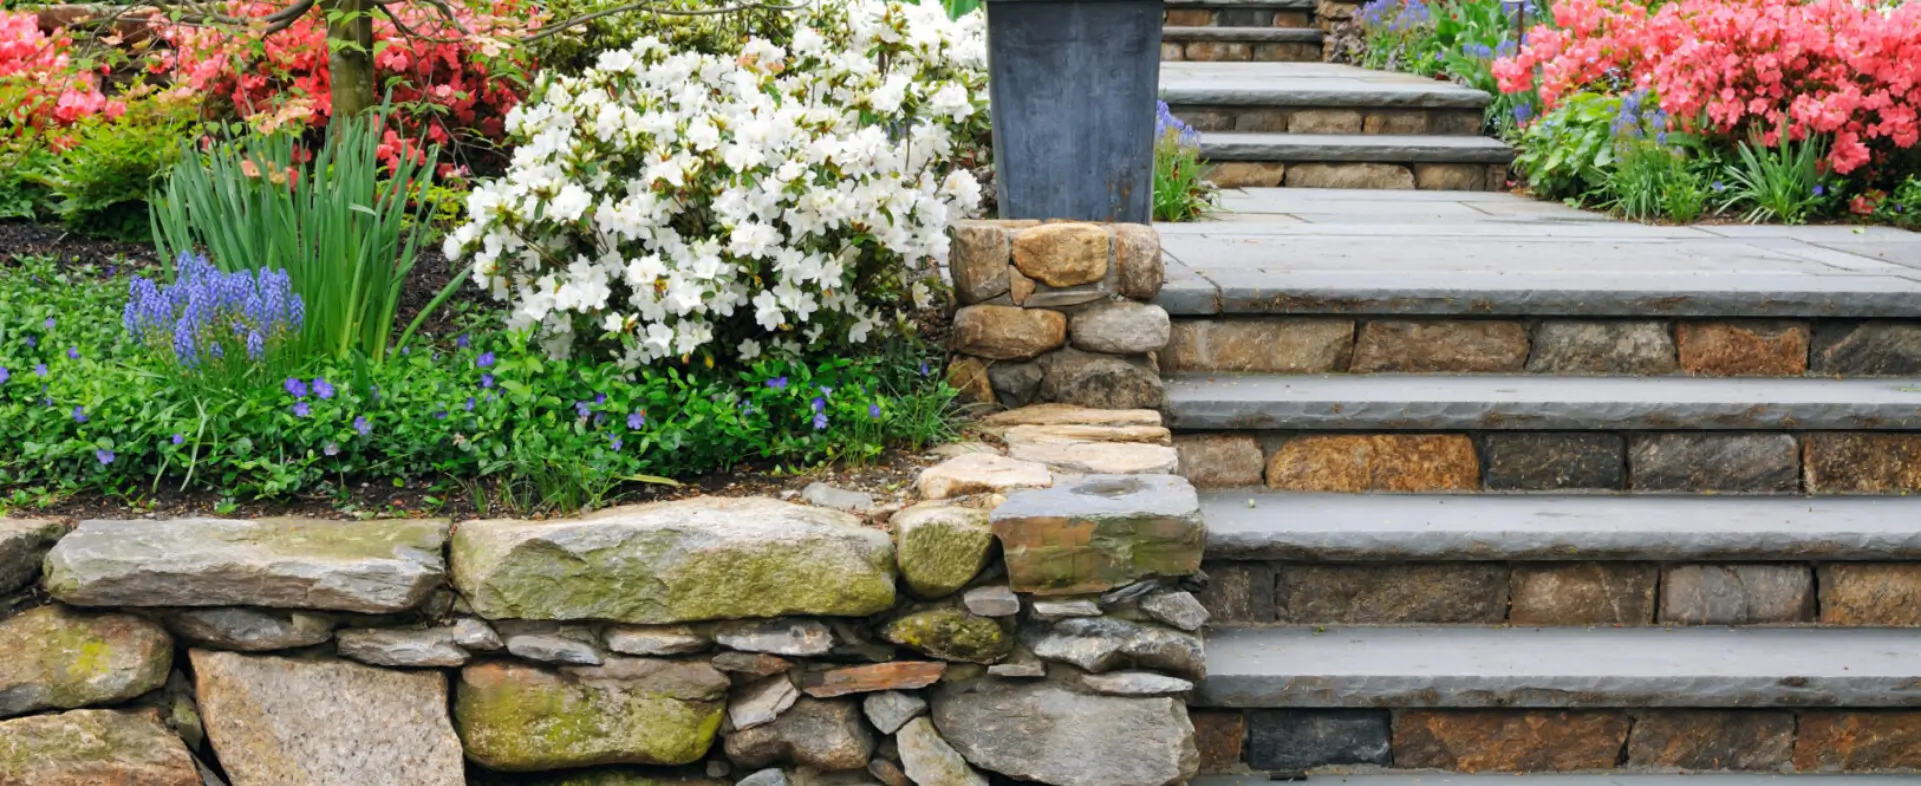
x: 1455, y: 593
x: 941, y: 547
x: 1375, y: 462
x: 1839, y: 740
x: 1711, y: 739
x: 1150, y: 435
x: 1069, y: 415
x: 1509, y: 741
x: 1703, y: 461
x: 278, y: 721
x: 1020, y: 287
x: 979, y: 260
x: 992, y: 601
x: 1862, y: 463
x: 1743, y: 348
x: 887, y: 772
x: 1450, y: 177
x: 1100, y: 532
x: 1247, y: 174
x: 1867, y: 349
x: 981, y: 473
x: 93, y: 748
x: 1100, y: 381
x: 655, y: 639
x: 1098, y: 458
x: 576, y: 648
x: 826, y: 496
x: 767, y: 777
x: 1554, y: 461
x: 1239, y: 592
x: 23, y: 544
x: 1476, y: 346
x: 1276, y: 346
x: 1020, y: 729
x: 697, y: 559
x: 516, y: 717
x: 1179, y: 609
x: 751, y: 665
x: 1063, y: 254
x: 1395, y: 122
x: 1583, y: 593
x: 1050, y: 610
x: 1103, y: 644
x: 1218, y: 51
x: 1737, y: 594
x: 402, y: 648
x: 792, y: 637
x: 950, y: 634
x: 249, y: 630
x: 1882, y: 594
x: 475, y: 635
x: 1007, y: 332
x: 930, y: 761
x: 374, y: 567
x: 972, y: 378
x: 1218, y: 461
x: 1137, y: 257
x: 890, y: 710
x: 759, y: 702
x: 1121, y: 327
x: 1360, y: 175
x: 1015, y: 384
x: 1135, y: 683
x: 1220, y: 737
x: 53, y: 657
x: 1602, y: 347
x: 892, y: 676
x: 823, y: 733
x: 1296, y: 740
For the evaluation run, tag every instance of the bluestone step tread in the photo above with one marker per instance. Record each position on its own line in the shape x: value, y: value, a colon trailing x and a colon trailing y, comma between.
x: 1497, y: 401
x: 1468, y: 667
x: 1257, y: 524
x: 1291, y: 5
x: 1308, y: 85
x: 1395, y: 148
x: 1252, y: 35
x: 1557, y: 779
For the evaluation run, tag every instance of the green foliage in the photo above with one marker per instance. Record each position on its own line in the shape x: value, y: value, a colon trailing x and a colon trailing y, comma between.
x: 99, y: 185
x: 1458, y: 38
x: 1569, y: 152
x: 574, y: 50
x: 1181, y: 189
x: 1653, y: 181
x: 1902, y: 207
x: 1781, y: 183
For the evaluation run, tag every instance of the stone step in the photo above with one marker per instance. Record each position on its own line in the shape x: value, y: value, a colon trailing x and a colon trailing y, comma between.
x: 1308, y: 85
x: 1240, y: 13
x: 1344, y: 148
x: 1270, y: 44
x: 1559, y: 779
x: 1560, y: 668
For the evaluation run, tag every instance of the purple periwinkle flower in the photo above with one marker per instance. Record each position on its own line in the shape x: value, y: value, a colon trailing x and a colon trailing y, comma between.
x: 48, y: 323
x: 323, y: 388
x: 614, y: 442
x: 777, y: 383
x: 600, y: 399
x: 582, y: 409
x: 470, y: 404
x: 177, y: 438
x: 301, y: 410
x: 361, y: 425
x: 440, y: 414
x: 79, y: 414
x: 103, y: 456
x: 32, y: 342
x: 819, y: 404
x: 873, y: 411
x: 636, y: 419
x: 464, y: 341
x: 820, y: 421
x: 1820, y: 190
x: 486, y: 380
x: 73, y: 353
x: 5, y: 375
x: 923, y: 368
x: 295, y: 387
x: 486, y: 360
x: 331, y: 449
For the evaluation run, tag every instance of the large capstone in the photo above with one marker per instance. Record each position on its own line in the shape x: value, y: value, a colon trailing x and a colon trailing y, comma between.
x: 1100, y: 532
x: 280, y: 721
x: 516, y: 717
x: 54, y: 657
x: 1044, y: 731
x: 23, y: 544
x: 92, y: 748
x: 373, y: 567
x: 698, y: 559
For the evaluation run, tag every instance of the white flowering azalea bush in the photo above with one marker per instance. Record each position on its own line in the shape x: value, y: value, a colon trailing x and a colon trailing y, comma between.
x: 680, y: 205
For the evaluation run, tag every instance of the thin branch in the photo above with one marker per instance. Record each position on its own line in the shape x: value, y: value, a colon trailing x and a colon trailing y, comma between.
x: 557, y: 27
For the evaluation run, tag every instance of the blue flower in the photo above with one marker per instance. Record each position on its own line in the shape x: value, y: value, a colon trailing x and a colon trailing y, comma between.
x: 1820, y: 190
x: 485, y: 360
x: 614, y: 442
x: 470, y: 404
x: 440, y: 414
x: 323, y: 388
x: 73, y: 353
x: 301, y: 410
x: 636, y: 420
x: 40, y: 369
x: 331, y: 449
x: 103, y: 456
x: 48, y: 323
x: 79, y: 414
x: 582, y: 409
x: 463, y: 342
x: 32, y: 342
x: 873, y: 411
x: 819, y: 405
x: 600, y: 399
x: 820, y: 421
x: 361, y: 425
x: 777, y: 383
x: 923, y: 369
x: 486, y: 380
x: 5, y: 375
x: 177, y: 438
x: 295, y: 387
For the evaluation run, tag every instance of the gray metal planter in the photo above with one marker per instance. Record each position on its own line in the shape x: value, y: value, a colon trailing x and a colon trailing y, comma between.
x: 1073, y: 85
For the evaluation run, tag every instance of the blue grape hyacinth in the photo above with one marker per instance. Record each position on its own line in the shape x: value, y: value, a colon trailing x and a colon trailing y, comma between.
x: 207, y: 315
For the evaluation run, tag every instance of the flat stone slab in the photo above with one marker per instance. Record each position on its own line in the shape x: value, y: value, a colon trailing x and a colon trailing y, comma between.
x: 1389, y: 401
x: 1287, y: 4
x: 1554, y: 779
x: 1260, y: 525
x: 1254, y: 35
x: 1308, y: 85
x: 1394, y: 148
x: 1469, y: 667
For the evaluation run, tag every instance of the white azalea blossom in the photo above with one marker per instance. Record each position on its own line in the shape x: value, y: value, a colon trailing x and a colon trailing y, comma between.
x: 678, y: 203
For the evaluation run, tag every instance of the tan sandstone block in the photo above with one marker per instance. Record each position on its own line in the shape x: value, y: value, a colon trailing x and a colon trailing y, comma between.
x: 1008, y: 332
x: 1879, y: 594
x: 1375, y: 462
x: 1189, y: 17
x: 1854, y: 741
x: 1246, y: 174
x: 1584, y: 593
x: 1745, y: 348
x: 1218, y: 51
x: 1137, y: 254
x: 1450, y: 177
x: 1286, y: 346
x: 1361, y: 175
x: 1509, y: 740
x: 1861, y: 463
x: 1460, y: 346
x: 1214, y: 461
x: 1063, y: 254
x: 1325, y: 121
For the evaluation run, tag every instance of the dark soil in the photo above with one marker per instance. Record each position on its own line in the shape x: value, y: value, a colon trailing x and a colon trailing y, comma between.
x: 20, y: 238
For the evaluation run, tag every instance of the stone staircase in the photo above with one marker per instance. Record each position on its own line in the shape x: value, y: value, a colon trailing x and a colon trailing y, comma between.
x: 1495, y: 485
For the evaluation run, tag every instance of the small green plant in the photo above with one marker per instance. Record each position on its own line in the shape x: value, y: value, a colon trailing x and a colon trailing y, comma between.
x: 1181, y: 189
x: 99, y: 185
x: 1902, y: 207
x: 1653, y: 181
x: 1569, y: 152
x: 1782, y: 182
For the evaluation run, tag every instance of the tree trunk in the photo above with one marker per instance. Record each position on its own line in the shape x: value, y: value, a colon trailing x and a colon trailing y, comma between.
x: 350, y: 45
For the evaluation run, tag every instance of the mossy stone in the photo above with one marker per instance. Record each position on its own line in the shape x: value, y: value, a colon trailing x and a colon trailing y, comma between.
x: 516, y: 718
x: 55, y: 657
x: 951, y: 634
x: 93, y: 747
x: 941, y: 547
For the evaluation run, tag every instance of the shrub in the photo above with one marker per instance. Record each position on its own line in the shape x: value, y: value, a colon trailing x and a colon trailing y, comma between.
x: 668, y: 204
x: 573, y: 50
x: 1569, y: 152
x: 98, y: 185
x: 42, y: 85
x: 1181, y: 189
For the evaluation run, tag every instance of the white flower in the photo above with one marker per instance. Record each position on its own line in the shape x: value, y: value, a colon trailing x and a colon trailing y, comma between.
x: 570, y: 203
x: 749, y: 349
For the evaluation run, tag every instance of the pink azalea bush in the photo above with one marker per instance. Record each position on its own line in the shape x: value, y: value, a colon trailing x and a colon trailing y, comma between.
x: 1839, y: 68
x: 43, y: 87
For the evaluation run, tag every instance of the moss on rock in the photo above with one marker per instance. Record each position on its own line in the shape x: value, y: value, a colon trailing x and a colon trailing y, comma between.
x: 951, y: 634
x: 54, y: 657
x: 515, y: 717
x: 941, y: 547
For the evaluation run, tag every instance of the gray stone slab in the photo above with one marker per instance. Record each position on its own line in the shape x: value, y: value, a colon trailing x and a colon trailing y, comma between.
x: 1259, y: 525
x: 1560, y: 667
x: 1253, y: 35
x: 1386, y: 401
x: 1308, y: 84
x: 1555, y: 779
x: 1396, y: 148
x: 1295, y: 5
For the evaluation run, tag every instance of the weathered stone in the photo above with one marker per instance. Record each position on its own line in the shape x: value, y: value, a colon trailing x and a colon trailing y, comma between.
x: 1450, y: 177
x: 575, y: 647
x: 1391, y: 121
x: 1216, y: 461
x: 1583, y: 593
x: 602, y: 776
x: 1121, y: 327
x: 893, y: 676
x: 23, y: 544
x: 1714, y: 461
x: 969, y: 376
x: 1451, y: 593
x: 176, y: 707
x: 249, y: 630
x: 1509, y: 741
x: 696, y: 559
x: 400, y: 647
x: 1247, y: 174
x: 1375, y: 462
x: 1023, y: 664
x: 1554, y: 461
x: 1737, y: 594
x: 278, y: 721
x: 1278, y: 346
x: 979, y: 260
x: 1462, y: 346
x: 823, y: 495
x: 1218, y: 51
x: 751, y: 665
x: 887, y: 772
x: 950, y: 634
x: 1353, y: 175
x: 1020, y: 287
x: 1021, y: 728
x: 1103, y: 644
x: 1135, y: 683
x: 1100, y: 381
x: 1296, y: 740
x: 1099, y: 458
x: 890, y: 710
x: 1711, y: 739
x: 941, y: 547
x: 794, y: 637
x: 1179, y: 609
x: 54, y: 657
x: 767, y: 777
x: 965, y: 448
x: 1063, y: 254
x: 981, y: 473
x: 1602, y: 347
x: 1239, y: 592
x: 992, y: 601
x: 1015, y: 384
x: 1100, y: 532
x: 93, y: 748
x: 475, y: 635
x: 516, y: 717
x: 655, y: 639
x: 1007, y: 332
x: 1069, y: 415
x: 1078, y: 434
x: 1049, y: 610
x: 374, y: 567
x: 930, y: 761
x: 823, y: 733
x: 1867, y: 349
x: 1137, y: 255
x: 1220, y: 737
x: 1862, y: 462
x: 1882, y: 594
x: 1844, y: 741
x: 1325, y: 121
x: 759, y: 702
x: 1760, y: 348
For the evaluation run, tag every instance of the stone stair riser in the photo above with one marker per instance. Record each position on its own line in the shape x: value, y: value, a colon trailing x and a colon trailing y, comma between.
x: 1201, y: 16
x: 1359, y: 174
x: 1741, y: 462
x: 1175, y: 51
x: 1439, y: 121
